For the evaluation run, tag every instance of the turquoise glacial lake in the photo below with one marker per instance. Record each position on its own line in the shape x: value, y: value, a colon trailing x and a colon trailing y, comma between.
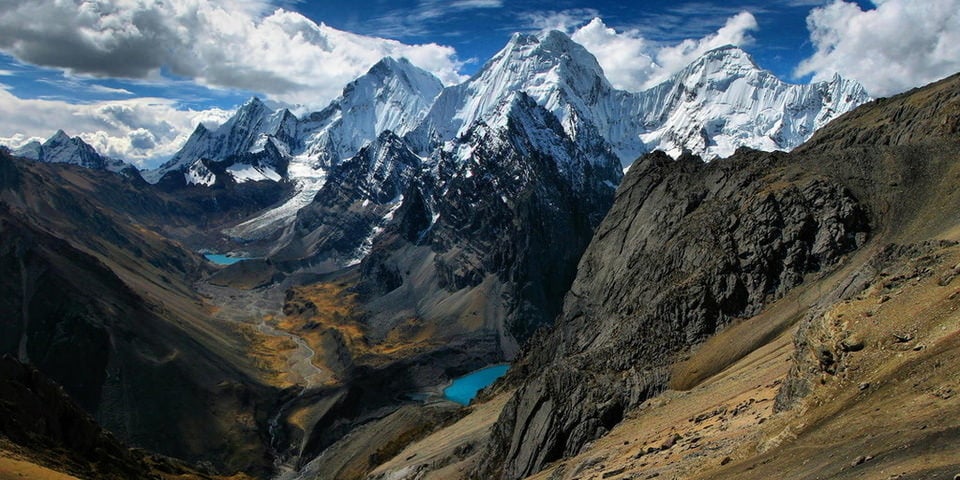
x: 221, y: 259
x: 465, y: 388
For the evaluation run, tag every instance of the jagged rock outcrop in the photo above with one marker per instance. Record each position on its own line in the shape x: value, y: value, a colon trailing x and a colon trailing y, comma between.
x: 687, y: 248
x: 690, y: 247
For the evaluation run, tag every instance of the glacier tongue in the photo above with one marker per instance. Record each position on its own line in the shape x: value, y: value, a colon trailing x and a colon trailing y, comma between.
x: 308, y: 181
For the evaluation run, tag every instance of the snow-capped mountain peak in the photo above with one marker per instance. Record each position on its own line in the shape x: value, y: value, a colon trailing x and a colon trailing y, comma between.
x: 247, y: 131
x: 59, y: 137
x: 556, y: 72
x: 62, y: 148
x: 393, y: 95
x: 723, y: 100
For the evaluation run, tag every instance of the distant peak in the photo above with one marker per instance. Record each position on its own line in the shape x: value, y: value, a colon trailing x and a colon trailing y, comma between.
x: 726, y: 48
x: 551, y: 48
x: 253, y: 103
x: 388, y: 65
x: 729, y: 54
x: 391, y: 62
x: 60, y: 136
x: 552, y: 40
x: 406, y: 72
x: 556, y: 36
x: 254, y: 108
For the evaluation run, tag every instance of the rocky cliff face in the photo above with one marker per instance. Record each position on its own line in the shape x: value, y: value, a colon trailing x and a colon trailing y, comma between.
x: 497, y: 218
x: 354, y: 205
x: 689, y: 248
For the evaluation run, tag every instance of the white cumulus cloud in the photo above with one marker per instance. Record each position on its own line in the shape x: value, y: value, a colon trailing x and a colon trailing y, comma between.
x: 144, y: 131
x: 898, y: 45
x: 631, y: 62
x: 239, y: 44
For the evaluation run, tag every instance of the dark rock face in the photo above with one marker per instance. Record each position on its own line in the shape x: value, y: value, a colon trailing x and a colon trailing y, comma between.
x: 509, y: 211
x: 686, y: 248
x: 355, y: 201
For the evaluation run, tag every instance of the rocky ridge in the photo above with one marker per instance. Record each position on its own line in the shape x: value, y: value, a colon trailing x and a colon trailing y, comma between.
x: 689, y: 248
x: 61, y: 148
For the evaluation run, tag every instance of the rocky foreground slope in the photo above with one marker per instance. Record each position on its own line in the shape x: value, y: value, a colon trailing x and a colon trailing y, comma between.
x: 764, y: 315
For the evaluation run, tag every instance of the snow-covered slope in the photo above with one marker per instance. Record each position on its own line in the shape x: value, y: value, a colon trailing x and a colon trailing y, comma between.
x: 557, y: 73
x: 724, y: 100
x: 61, y: 148
x: 393, y: 95
x: 248, y: 131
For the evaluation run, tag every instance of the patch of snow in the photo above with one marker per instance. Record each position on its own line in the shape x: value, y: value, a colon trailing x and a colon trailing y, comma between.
x: 307, y: 182
x: 243, y: 172
x: 367, y: 245
x: 199, y: 174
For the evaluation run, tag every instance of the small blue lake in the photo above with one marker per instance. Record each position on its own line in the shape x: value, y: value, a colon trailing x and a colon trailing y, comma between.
x: 221, y: 259
x: 465, y: 388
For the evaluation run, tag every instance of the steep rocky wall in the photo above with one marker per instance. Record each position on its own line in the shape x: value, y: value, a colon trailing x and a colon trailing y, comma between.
x: 687, y: 248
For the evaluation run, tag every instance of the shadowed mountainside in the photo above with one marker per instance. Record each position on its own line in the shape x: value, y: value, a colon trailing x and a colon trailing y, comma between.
x: 42, y: 428
x: 102, y: 302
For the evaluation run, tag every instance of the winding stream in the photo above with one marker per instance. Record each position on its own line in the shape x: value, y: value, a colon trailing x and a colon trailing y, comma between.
x: 301, y: 363
x: 251, y: 308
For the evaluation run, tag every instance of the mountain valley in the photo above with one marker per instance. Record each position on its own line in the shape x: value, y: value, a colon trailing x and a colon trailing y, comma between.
x: 723, y: 276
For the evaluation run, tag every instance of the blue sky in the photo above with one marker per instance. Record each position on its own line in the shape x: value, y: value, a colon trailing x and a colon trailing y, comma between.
x: 116, y: 70
x: 475, y: 29
x: 477, y: 33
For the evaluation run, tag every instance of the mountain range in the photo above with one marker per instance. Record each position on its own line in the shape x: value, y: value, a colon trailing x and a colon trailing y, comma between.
x: 61, y: 148
x: 716, y: 277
